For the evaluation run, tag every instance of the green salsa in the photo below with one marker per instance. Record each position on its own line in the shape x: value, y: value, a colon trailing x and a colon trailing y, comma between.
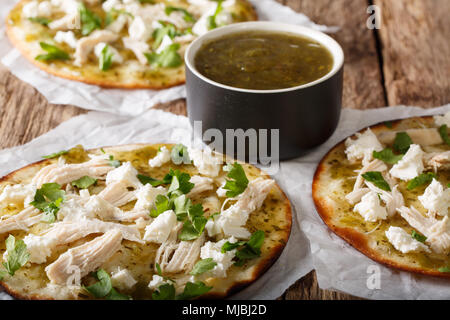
x: 263, y: 60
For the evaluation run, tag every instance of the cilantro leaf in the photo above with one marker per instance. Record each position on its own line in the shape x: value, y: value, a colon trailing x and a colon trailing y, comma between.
x: 106, y: 58
x: 251, y: 249
x: 179, y: 182
x: 377, y: 179
x: 192, y: 229
x: 444, y: 269
x: 168, y: 29
x: 239, y: 180
x: 165, y: 292
x: 103, y: 288
x: 186, y: 15
x: 193, y: 290
x: 228, y: 246
x: 48, y: 199
x: 84, y: 182
x: 402, y: 142
x: 202, y: 266
x: 444, y: 134
x: 180, y: 154
x: 113, y: 14
x: 182, y: 205
x: 388, y: 156
x: 162, y: 204
x: 56, y: 154
x: 40, y: 20
x: 53, y: 53
x: 418, y: 236
x: 168, y: 58
x: 145, y: 179
x: 17, y: 255
x: 89, y: 20
x: 424, y: 178
x: 211, y: 21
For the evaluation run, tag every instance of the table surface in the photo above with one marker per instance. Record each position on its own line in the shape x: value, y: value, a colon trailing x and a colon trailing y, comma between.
x: 406, y: 61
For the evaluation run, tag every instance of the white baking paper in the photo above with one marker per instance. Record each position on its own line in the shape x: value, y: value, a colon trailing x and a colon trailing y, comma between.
x: 338, y: 266
x: 124, y: 102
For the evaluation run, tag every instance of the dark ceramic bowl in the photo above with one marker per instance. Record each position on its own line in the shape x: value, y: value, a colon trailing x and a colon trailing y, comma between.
x: 306, y: 115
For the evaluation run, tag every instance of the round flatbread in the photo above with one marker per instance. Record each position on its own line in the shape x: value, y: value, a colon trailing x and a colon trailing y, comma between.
x: 131, y: 30
x: 335, y: 179
x: 139, y: 260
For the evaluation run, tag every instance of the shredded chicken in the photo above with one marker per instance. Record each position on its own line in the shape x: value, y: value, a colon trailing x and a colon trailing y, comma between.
x: 201, y: 184
x: 21, y: 221
x: 436, y: 231
x: 68, y: 22
x: 139, y: 48
x: 117, y: 194
x: 85, y: 258
x: 423, y: 137
x: 174, y: 256
x: 95, y: 168
x: 106, y: 211
x: 86, y: 45
x: 437, y: 160
x: 393, y: 199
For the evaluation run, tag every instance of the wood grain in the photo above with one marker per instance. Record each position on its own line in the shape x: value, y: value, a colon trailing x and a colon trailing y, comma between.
x: 413, y: 44
x: 416, y: 51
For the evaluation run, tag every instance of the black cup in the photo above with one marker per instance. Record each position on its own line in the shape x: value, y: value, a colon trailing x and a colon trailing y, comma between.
x: 306, y: 115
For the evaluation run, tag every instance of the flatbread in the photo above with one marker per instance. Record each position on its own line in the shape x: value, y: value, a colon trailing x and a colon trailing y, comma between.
x: 335, y: 178
x: 31, y: 281
x: 26, y: 35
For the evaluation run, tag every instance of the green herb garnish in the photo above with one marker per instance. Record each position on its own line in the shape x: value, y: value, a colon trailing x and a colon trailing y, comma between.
x: 238, y: 181
x: 211, y: 21
x: 56, y: 154
x: 186, y: 15
x: 444, y: 134
x: 48, y: 199
x: 203, y: 266
x: 89, y: 20
x: 402, y: 142
x: 162, y: 204
x: 40, y: 20
x: 424, y: 178
x: 84, y: 182
x: 418, y: 236
x: 17, y: 256
x: 377, y: 179
x: 444, y: 269
x: 149, y: 180
x: 388, y: 156
x: 106, y: 58
x: 248, y: 250
x: 103, y: 288
x: 168, y: 58
x: 53, y: 53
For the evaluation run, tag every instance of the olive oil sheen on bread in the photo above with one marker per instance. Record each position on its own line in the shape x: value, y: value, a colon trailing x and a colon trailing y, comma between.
x: 263, y: 60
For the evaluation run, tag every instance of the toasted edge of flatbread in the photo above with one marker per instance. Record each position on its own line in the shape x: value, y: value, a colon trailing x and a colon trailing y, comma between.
x: 256, y: 270
x: 104, y: 82
x: 356, y: 239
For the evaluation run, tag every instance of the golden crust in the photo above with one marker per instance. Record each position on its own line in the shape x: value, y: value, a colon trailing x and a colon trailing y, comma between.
x: 255, y: 269
x: 359, y: 240
x: 175, y: 79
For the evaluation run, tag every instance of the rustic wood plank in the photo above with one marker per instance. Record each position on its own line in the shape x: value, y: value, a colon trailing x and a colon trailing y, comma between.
x: 416, y: 49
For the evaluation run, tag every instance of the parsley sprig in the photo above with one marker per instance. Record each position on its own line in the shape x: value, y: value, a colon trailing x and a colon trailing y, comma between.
x: 106, y: 58
x: 377, y: 179
x: 444, y: 134
x: 40, y: 20
x: 191, y: 290
x: 103, y: 288
x: 48, y: 199
x: 248, y: 250
x: 84, y: 182
x: 17, y: 256
x: 388, y: 156
x: 56, y: 154
x: 186, y: 15
x: 423, y: 178
x: 89, y: 20
x: 53, y: 53
x: 168, y: 58
x: 402, y: 142
x: 417, y: 236
x: 211, y: 22
x: 203, y: 266
x: 238, y: 181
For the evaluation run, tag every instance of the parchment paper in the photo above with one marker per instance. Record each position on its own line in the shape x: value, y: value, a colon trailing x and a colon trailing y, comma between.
x: 338, y: 266
x: 124, y: 102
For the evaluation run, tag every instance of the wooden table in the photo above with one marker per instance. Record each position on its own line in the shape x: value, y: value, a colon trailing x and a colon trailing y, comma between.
x: 406, y: 61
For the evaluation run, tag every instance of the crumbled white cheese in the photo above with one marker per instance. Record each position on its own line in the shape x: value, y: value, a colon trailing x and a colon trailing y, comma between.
x: 403, y: 241
x: 166, y: 42
x: 201, y: 26
x: 206, y: 163
x: 116, y: 57
x: 17, y: 194
x: 146, y: 196
x: 158, y: 231
x: 139, y: 49
x: 162, y: 157
x: 156, y: 282
x: 84, y: 193
x: 230, y: 222
x: 410, y: 166
x: 224, y: 260
x: 441, y: 120
x: 370, y: 207
x: 73, y: 210
x: 39, y: 247
x: 125, y: 173
x: 221, y: 192
x: 139, y: 30
x: 436, y: 199
x: 108, y: 5
x: 122, y: 279
x: 31, y: 9
x: 67, y: 37
x: 362, y: 147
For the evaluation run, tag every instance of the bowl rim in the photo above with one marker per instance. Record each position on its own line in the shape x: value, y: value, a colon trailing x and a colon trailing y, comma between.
x: 332, y: 45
